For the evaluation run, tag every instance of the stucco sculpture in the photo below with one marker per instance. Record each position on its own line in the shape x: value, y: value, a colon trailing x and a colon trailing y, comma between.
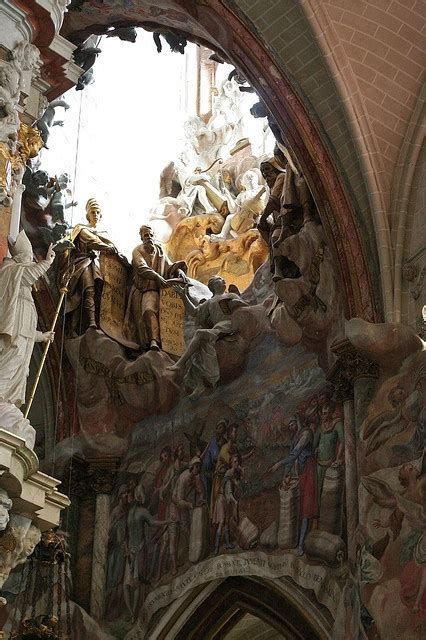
x: 246, y: 209
x: 199, y: 361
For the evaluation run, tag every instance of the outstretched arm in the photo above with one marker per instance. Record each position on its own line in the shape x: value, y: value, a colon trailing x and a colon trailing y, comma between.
x: 182, y: 291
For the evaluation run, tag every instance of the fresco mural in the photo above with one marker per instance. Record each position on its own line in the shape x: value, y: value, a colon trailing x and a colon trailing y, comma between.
x: 254, y: 470
x: 392, y: 502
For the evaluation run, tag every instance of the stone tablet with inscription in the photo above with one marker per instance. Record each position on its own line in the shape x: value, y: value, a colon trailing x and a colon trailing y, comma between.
x: 113, y: 301
x: 172, y: 315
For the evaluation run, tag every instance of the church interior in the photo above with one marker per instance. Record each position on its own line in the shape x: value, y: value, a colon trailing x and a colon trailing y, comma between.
x: 212, y: 320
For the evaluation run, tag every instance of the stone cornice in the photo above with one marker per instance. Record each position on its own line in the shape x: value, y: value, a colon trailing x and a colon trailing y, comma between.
x: 33, y: 493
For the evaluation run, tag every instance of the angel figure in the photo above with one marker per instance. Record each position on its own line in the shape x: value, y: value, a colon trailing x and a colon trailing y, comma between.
x: 408, y: 505
x: 406, y: 408
x: 245, y: 210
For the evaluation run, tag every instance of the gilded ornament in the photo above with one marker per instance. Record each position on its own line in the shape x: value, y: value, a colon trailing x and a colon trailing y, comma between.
x: 30, y: 142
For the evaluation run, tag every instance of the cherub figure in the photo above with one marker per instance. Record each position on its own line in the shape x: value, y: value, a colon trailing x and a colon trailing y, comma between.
x: 60, y: 198
x: 406, y: 408
x: 47, y: 120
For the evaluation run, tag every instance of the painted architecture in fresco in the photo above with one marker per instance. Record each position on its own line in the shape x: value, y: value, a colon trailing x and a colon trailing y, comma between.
x: 235, y: 408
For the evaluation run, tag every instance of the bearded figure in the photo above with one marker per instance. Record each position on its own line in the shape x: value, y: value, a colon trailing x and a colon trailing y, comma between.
x: 152, y: 271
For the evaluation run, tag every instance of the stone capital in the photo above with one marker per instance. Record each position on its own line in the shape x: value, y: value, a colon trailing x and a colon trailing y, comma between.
x: 92, y: 476
x: 350, y: 366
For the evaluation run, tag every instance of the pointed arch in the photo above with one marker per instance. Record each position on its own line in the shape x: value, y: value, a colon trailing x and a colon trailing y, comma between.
x: 211, y: 611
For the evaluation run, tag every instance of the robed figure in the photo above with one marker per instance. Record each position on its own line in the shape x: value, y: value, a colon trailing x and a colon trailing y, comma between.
x: 18, y: 317
x: 152, y: 271
x: 85, y: 284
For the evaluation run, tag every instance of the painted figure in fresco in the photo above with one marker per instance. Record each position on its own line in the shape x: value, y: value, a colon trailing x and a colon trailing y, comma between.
x: 116, y: 554
x: 210, y: 456
x: 18, y: 317
x: 82, y: 301
x: 188, y: 493
x: 302, y: 456
x: 159, y: 505
x: 312, y: 412
x: 328, y: 444
x: 199, y: 361
x: 406, y: 408
x: 170, y: 536
x: 224, y: 460
x: 408, y: 505
x: 152, y: 271
x: 136, y: 571
x: 226, y: 512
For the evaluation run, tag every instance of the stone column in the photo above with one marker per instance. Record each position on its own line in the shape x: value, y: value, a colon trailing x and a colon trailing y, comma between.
x: 353, y: 376
x: 102, y: 474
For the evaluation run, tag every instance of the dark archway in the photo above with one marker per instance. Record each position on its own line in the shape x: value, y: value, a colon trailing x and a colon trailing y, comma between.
x: 225, y: 606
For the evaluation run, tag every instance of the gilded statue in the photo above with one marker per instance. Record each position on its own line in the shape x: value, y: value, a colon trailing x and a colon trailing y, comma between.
x: 152, y: 271
x: 82, y: 302
x: 18, y: 317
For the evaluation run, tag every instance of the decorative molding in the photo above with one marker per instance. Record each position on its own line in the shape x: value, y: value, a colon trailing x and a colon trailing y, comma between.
x: 56, y: 9
x: 14, y: 25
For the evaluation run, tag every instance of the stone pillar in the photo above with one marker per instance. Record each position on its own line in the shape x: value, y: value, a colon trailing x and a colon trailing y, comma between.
x: 80, y: 527
x: 100, y: 548
x: 102, y: 473
x: 91, y: 484
x: 353, y: 377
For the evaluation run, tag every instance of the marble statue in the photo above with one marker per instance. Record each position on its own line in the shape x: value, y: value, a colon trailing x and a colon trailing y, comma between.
x: 152, y: 271
x: 196, y: 187
x: 9, y: 96
x: 227, y: 110
x: 22, y: 538
x: 47, y: 120
x: 82, y: 302
x: 24, y: 57
x: 246, y: 208
x: 18, y: 317
x: 199, y: 362
x: 192, y: 189
x: 204, y: 144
